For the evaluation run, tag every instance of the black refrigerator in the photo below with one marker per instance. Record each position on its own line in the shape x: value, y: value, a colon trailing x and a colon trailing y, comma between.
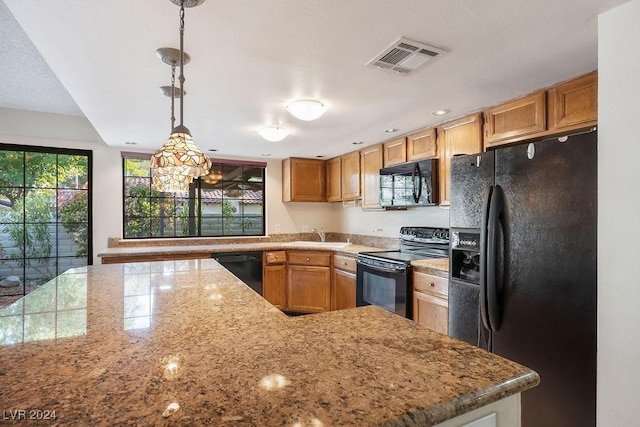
x: 523, y: 268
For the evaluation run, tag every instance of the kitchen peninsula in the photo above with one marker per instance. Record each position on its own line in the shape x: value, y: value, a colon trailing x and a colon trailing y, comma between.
x: 117, y: 344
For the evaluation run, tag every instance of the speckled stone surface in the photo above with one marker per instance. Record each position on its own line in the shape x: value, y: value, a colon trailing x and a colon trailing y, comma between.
x: 435, y: 266
x: 141, y: 251
x: 116, y: 344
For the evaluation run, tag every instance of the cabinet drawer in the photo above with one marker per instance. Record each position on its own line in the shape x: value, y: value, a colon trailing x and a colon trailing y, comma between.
x: 309, y: 258
x: 434, y: 285
x: 275, y: 257
x: 343, y: 262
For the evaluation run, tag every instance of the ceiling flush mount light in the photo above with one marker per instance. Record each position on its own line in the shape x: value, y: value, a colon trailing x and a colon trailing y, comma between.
x: 306, y: 109
x: 273, y: 133
x: 442, y: 112
x: 180, y: 155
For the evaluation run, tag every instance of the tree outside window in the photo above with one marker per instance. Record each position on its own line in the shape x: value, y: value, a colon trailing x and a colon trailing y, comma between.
x: 44, y: 215
x: 227, y: 202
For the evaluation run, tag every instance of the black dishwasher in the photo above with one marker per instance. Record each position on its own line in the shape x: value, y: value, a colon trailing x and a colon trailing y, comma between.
x: 246, y: 266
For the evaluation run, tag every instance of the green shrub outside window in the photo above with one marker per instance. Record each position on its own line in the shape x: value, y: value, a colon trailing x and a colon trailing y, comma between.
x: 228, y: 202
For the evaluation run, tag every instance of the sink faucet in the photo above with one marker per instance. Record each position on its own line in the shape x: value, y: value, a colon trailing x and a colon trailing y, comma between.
x: 320, y: 233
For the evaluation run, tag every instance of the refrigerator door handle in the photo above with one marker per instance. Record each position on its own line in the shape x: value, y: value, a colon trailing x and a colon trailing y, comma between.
x: 493, y: 232
x: 486, y: 204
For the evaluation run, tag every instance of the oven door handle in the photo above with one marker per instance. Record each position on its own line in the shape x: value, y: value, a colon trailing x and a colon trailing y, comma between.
x: 384, y: 270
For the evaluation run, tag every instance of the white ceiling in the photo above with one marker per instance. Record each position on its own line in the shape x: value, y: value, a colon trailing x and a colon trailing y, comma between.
x: 249, y: 57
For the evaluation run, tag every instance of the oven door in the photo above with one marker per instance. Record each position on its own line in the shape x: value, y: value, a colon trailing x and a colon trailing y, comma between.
x: 388, y: 287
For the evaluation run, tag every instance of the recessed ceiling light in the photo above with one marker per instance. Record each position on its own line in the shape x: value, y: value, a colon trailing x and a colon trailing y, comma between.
x: 265, y: 154
x: 213, y: 149
x: 391, y: 130
x: 358, y: 142
x: 130, y: 143
x: 441, y: 112
x: 273, y: 133
x: 319, y: 157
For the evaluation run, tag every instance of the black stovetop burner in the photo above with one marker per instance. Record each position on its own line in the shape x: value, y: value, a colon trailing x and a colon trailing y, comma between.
x: 415, y: 243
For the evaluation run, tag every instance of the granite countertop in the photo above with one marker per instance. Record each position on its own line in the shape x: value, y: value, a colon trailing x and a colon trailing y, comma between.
x: 438, y: 266
x: 347, y: 248
x: 116, y: 344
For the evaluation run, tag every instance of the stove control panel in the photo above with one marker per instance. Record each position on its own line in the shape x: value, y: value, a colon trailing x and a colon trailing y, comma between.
x: 425, y: 234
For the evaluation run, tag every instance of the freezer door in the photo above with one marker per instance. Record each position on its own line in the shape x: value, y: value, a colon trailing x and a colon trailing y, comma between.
x: 549, y: 294
x: 471, y: 176
x: 464, y: 314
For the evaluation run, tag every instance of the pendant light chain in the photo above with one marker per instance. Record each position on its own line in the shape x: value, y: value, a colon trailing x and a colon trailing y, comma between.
x: 181, y: 62
x: 173, y: 97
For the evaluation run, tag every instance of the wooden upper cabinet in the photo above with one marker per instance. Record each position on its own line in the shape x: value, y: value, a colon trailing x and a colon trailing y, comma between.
x: 574, y: 104
x: 350, y: 174
x: 515, y: 119
x: 303, y: 180
x: 334, y: 180
x: 395, y: 151
x: 462, y: 136
x: 371, y: 163
x: 422, y: 145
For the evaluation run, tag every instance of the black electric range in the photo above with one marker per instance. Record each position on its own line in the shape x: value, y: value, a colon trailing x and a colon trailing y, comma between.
x: 384, y: 278
x: 415, y: 243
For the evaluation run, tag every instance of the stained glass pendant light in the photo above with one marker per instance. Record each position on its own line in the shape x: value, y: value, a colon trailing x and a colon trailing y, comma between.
x: 171, y: 183
x: 180, y: 155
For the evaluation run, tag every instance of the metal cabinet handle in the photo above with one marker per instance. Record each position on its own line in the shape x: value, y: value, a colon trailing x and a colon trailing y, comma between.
x: 432, y: 284
x: 307, y: 259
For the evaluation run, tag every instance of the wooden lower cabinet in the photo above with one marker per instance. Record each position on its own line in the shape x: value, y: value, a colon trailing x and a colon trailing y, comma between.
x: 430, y: 301
x: 274, y: 278
x: 343, y: 284
x: 433, y: 312
x: 274, y: 285
x: 309, y: 281
x: 309, y: 289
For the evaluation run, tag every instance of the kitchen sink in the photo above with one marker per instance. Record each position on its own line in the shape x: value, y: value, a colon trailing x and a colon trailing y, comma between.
x: 306, y: 244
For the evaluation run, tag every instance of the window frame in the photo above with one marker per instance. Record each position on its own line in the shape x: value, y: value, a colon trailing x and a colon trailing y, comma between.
x: 195, y: 195
x: 57, y: 151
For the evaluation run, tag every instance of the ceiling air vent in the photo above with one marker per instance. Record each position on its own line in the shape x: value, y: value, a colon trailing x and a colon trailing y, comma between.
x: 405, y: 56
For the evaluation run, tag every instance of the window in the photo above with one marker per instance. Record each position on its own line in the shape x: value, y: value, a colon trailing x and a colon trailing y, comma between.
x: 227, y: 202
x: 45, y: 215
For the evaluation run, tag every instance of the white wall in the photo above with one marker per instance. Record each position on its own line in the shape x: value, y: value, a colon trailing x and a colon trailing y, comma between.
x: 619, y: 217
x: 63, y: 131
x: 356, y: 221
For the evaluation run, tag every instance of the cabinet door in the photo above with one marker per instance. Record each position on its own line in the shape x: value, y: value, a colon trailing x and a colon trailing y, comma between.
x: 371, y: 163
x: 309, y: 289
x: 574, y: 104
x: 422, y: 145
x: 430, y: 311
x: 395, y: 152
x: 303, y: 180
x: 515, y: 119
x: 343, y: 294
x: 334, y: 180
x: 463, y: 136
x: 351, y: 176
x: 274, y: 285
